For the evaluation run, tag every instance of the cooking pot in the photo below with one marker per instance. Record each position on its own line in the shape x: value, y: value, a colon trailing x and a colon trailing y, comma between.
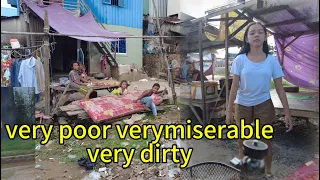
x: 99, y: 75
x: 255, y: 149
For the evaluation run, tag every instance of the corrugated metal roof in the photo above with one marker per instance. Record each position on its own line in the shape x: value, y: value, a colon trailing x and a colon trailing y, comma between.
x: 161, y: 5
x: 12, y: 11
x: 131, y: 15
x: 285, y: 17
x: 9, y: 12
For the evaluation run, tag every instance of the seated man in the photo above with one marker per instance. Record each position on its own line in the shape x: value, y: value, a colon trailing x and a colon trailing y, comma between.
x: 78, y: 83
x: 193, y: 74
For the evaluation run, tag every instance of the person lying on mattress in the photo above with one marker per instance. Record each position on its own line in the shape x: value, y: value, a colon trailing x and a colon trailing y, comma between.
x: 146, y: 98
x: 122, y: 90
x: 78, y: 83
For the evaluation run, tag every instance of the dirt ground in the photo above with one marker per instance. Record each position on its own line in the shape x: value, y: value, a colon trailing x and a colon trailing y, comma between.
x: 290, y: 151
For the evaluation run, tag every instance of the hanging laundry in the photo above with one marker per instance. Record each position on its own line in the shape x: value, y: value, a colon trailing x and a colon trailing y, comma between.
x: 40, y: 75
x: 27, y: 74
x: 103, y: 61
x: 80, y: 55
x: 6, y: 63
x: 15, y: 69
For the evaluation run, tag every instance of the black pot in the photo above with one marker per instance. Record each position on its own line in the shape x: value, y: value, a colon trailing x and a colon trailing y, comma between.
x: 255, y: 149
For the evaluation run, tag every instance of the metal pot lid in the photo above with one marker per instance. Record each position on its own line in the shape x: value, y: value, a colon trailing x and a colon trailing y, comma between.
x: 255, y: 145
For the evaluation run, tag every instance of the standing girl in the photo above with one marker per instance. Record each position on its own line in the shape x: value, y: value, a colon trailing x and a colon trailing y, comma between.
x: 252, y: 71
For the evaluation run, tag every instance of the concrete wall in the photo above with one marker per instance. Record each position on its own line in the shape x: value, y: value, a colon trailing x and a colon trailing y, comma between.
x: 133, y: 45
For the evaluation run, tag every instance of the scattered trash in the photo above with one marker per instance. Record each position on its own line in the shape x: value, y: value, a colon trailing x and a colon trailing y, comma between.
x: 85, y: 162
x: 61, y: 162
x: 74, y: 142
x: 93, y: 176
x: 71, y: 156
x: 51, y: 159
x: 37, y: 166
x: 49, y: 143
x: 102, y: 169
x: 70, y: 150
x: 38, y: 147
x: 124, y: 144
x: 143, y: 80
x: 134, y: 118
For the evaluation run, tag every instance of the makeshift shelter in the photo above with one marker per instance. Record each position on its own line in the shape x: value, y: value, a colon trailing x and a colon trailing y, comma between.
x: 286, y: 21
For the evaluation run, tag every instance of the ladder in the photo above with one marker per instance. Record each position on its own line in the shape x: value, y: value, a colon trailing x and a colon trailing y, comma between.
x: 104, y: 48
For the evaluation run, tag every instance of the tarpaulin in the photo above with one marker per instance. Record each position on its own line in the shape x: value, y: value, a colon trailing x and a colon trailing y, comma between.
x: 301, y: 61
x: 64, y: 22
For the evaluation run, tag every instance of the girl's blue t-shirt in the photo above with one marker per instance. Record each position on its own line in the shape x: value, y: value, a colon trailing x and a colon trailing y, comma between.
x: 255, y: 79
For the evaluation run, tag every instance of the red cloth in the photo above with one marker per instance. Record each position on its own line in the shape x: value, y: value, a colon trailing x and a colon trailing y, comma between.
x: 308, y: 171
x: 112, y: 107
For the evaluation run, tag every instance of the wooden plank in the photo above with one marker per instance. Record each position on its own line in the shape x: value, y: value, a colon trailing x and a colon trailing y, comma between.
x: 298, y: 101
x: 195, y: 113
x: 299, y: 113
x: 70, y: 108
x: 73, y: 113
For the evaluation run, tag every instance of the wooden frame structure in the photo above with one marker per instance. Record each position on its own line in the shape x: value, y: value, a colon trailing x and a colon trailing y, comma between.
x: 249, y: 15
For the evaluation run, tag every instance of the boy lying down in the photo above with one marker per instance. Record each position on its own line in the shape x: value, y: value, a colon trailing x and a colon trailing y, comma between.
x: 146, y: 98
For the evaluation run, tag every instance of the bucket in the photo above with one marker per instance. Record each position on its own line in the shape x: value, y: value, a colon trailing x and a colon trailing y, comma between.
x: 63, y: 80
x: 14, y: 43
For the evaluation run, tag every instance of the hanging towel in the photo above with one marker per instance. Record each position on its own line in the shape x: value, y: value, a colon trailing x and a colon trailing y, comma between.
x: 103, y: 60
x: 40, y: 75
x: 27, y: 74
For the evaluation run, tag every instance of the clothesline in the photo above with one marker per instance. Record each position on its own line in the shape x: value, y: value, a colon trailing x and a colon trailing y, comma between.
x: 30, y: 47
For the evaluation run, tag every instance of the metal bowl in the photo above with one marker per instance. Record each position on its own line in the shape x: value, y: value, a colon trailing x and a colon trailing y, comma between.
x: 99, y: 75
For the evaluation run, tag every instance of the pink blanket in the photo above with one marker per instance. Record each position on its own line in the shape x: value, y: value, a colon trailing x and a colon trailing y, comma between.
x: 112, y: 107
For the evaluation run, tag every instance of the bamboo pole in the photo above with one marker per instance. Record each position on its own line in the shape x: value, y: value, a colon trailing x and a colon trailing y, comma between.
x: 79, y: 35
x: 203, y: 89
x: 46, y: 55
x: 227, y: 58
x: 164, y: 53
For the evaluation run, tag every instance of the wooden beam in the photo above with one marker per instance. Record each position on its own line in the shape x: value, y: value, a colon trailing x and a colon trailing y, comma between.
x: 204, y: 114
x: 231, y: 18
x: 287, y: 22
x: 46, y: 58
x: 241, y: 16
x: 267, y: 10
x: 292, y: 41
x: 227, y: 60
x: 196, y: 113
x: 238, y: 30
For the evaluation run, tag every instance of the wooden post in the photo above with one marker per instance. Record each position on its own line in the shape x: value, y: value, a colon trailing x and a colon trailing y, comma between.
x: 78, y: 47
x: 227, y: 58
x: 164, y: 52
x: 282, y: 50
x: 203, y: 90
x: 46, y: 56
